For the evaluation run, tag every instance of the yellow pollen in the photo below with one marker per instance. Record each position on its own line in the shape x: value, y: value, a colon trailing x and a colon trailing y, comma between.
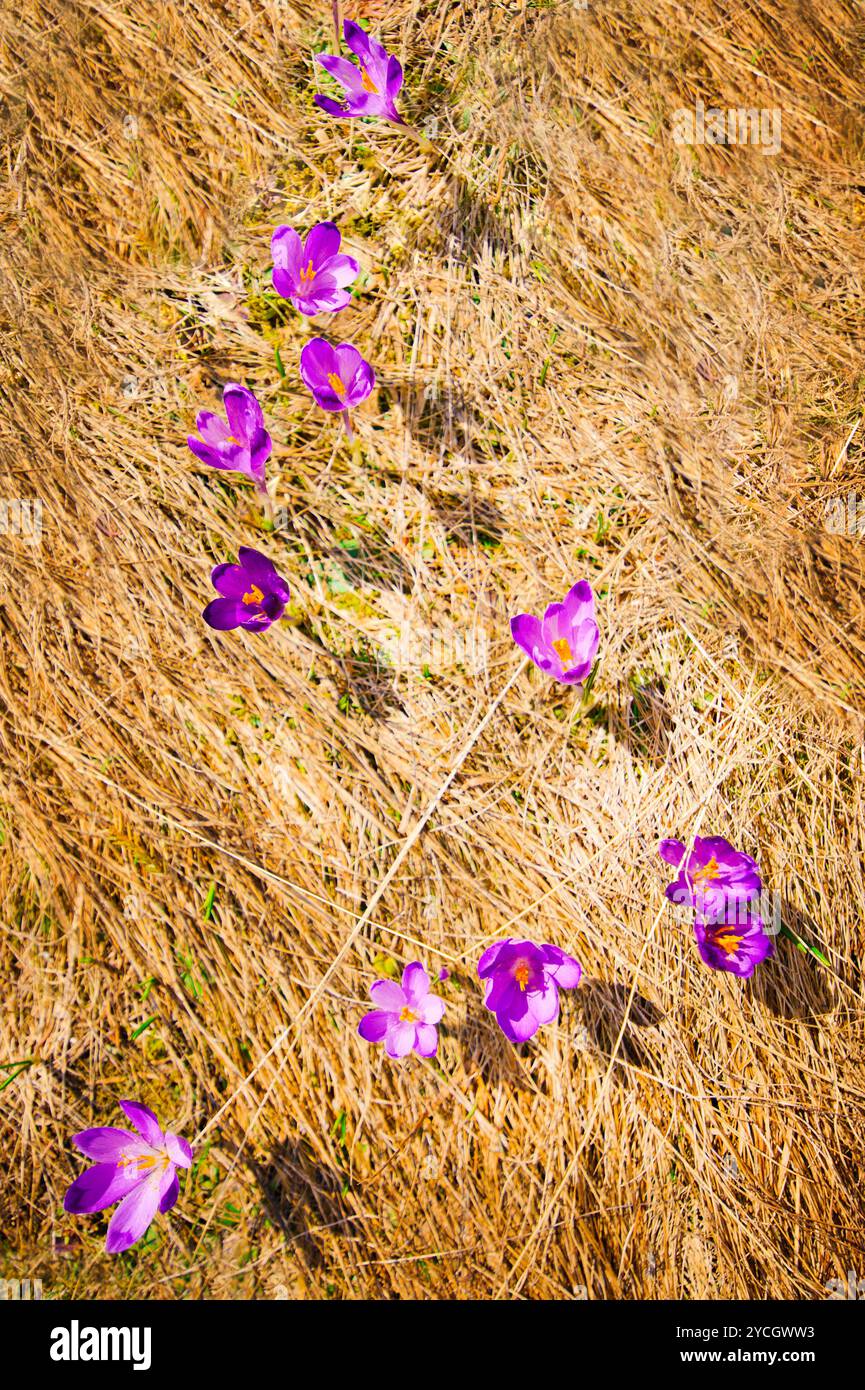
x: 708, y: 873
x: 406, y: 1015
x: 335, y: 384
x: 254, y: 596
x: 521, y: 975
x: 308, y: 275
x: 366, y: 82
x: 562, y: 648
x: 230, y: 439
x: 728, y: 942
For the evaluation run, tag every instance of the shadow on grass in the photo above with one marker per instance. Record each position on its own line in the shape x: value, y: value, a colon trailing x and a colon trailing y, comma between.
x: 793, y: 984
x: 300, y: 1197
x: 604, y: 1007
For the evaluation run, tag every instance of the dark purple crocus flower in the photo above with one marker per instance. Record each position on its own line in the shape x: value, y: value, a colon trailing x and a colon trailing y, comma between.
x: 253, y: 595
x: 138, y: 1170
x: 405, y: 1016
x: 522, y: 983
x: 712, y: 876
x: 737, y: 945
x: 371, y: 87
x: 338, y: 377
x: 241, y: 446
x: 564, y: 642
x: 312, y: 273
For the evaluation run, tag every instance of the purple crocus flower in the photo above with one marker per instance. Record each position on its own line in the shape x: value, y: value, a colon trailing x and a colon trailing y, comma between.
x: 371, y: 87
x: 312, y: 273
x: 564, y: 642
x: 522, y: 983
x: 737, y: 945
x: 712, y: 876
x: 405, y: 1016
x: 138, y: 1170
x: 253, y: 595
x: 338, y: 377
x: 242, y: 445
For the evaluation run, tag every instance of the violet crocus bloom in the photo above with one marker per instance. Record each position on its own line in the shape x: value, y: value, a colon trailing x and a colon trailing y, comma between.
x: 371, y: 87
x: 738, y: 944
x: 522, y: 983
x: 312, y: 273
x: 712, y: 876
x: 338, y: 377
x: 138, y: 1170
x: 242, y: 445
x: 253, y: 595
x: 564, y: 642
x: 405, y: 1016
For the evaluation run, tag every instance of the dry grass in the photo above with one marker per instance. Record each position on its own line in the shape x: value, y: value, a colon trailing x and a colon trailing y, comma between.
x: 599, y: 353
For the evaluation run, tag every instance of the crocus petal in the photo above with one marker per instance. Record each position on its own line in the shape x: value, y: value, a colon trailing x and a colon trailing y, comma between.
x: 327, y: 301
x: 544, y: 1003
x: 223, y: 614
x: 137, y: 1210
x: 339, y: 271
x: 99, y: 1187
x: 144, y: 1121
x: 565, y: 970
x: 284, y: 282
x: 231, y: 581
x: 245, y: 415
x: 362, y: 45
x: 374, y: 1025
x: 526, y: 632
x: 429, y: 1010
x: 426, y: 1040
x: 672, y: 852
x: 388, y: 995
x: 345, y: 72
x: 169, y: 1197
x: 333, y: 108
x: 415, y: 983
x: 322, y: 242
x: 232, y: 458
x: 317, y: 360
x: 178, y: 1150
x: 579, y: 603
x: 212, y: 428
x: 286, y: 249
x: 491, y: 956
x: 105, y: 1144
x: 399, y: 1039
x: 519, y: 1023
x: 259, y: 567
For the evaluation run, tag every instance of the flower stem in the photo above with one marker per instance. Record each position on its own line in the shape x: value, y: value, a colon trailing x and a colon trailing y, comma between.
x: 346, y: 419
x: 425, y: 143
x: 336, y: 20
x: 267, y: 508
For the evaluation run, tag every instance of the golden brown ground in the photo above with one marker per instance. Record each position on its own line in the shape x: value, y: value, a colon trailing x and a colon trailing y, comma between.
x: 599, y: 354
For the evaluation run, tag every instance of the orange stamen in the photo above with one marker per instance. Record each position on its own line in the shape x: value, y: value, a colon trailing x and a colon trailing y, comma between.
x: 521, y: 975
x: 562, y: 648
x: 254, y: 596
x: 366, y: 82
x: 728, y: 942
x: 708, y: 873
x: 336, y: 384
